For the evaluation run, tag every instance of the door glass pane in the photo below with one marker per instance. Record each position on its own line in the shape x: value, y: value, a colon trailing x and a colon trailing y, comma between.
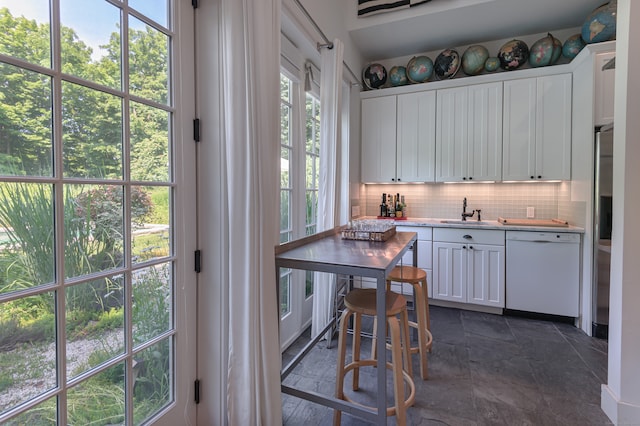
x: 26, y: 235
x: 90, y: 41
x: 93, y: 228
x: 150, y: 223
x: 152, y: 308
x: 95, y: 323
x: 148, y: 62
x: 285, y: 297
x: 158, y: 10
x: 152, y: 389
x: 92, y: 133
x: 41, y: 415
x: 99, y: 400
x: 25, y: 135
x: 24, y: 30
x: 27, y: 349
x: 149, y: 143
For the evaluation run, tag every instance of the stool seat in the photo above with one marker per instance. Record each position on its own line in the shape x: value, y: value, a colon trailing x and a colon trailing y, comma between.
x: 407, y: 274
x: 360, y: 302
x: 363, y: 301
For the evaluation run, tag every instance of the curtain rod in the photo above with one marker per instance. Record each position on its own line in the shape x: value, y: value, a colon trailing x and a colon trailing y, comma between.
x: 327, y: 43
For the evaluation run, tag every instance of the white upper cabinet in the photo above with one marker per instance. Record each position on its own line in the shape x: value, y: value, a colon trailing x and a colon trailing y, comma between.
x: 379, y: 139
x: 398, y: 138
x: 469, y: 133
x: 605, y: 87
x: 537, y: 128
x: 415, y: 142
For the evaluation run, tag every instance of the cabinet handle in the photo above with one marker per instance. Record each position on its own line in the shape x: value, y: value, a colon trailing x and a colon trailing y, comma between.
x: 470, y: 247
x: 467, y: 237
x: 464, y: 178
x: 399, y: 179
x: 393, y: 180
x: 533, y: 177
x: 539, y: 177
x: 470, y: 178
x: 464, y: 247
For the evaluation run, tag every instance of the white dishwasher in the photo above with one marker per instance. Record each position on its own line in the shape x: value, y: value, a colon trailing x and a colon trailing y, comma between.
x: 543, y: 272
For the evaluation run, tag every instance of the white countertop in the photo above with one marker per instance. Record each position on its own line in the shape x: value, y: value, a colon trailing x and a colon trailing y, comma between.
x: 486, y: 224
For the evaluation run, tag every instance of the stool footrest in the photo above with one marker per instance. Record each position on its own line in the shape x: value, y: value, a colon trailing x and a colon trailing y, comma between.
x: 391, y: 411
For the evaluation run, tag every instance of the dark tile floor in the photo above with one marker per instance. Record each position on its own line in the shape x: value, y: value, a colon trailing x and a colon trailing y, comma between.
x: 484, y: 369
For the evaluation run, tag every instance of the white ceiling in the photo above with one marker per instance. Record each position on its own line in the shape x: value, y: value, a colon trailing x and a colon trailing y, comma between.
x: 441, y: 24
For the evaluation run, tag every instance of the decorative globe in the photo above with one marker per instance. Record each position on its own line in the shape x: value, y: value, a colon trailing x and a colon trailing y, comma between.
x: 513, y: 54
x: 600, y: 25
x: 473, y: 59
x: 557, y: 50
x: 447, y: 64
x: 572, y: 46
x: 541, y: 52
x: 398, y: 76
x: 419, y: 69
x: 374, y: 76
x: 491, y: 64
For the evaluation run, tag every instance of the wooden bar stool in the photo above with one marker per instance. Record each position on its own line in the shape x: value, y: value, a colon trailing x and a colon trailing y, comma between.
x: 360, y: 302
x: 418, y: 279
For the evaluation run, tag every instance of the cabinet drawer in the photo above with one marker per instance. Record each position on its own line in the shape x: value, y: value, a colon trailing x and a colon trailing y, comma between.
x: 466, y: 235
x: 424, y: 232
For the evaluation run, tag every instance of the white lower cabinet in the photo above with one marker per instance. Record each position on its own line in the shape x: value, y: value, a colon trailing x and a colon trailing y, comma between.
x: 468, y: 266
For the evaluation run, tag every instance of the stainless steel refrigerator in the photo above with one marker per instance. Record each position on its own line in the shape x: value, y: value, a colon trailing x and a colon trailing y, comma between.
x: 602, y: 221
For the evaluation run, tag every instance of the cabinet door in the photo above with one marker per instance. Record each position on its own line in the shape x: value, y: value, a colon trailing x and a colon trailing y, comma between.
x: 519, y: 129
x: 553, y: 127
x: 449, y: 272
x: 485, y: 284
x: 378, y: 138
x: 451, y: 134
x: 416, y: 133
x: 485, y: 132
x: 605, y: 87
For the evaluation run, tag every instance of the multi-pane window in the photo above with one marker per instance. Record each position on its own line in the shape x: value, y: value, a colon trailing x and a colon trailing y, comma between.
x: 87, y: 257
x: 312, y: 157
x: 312, y: 173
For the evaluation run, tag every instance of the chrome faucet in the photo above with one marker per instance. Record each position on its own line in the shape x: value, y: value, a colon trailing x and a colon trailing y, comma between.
x: 465, y: 215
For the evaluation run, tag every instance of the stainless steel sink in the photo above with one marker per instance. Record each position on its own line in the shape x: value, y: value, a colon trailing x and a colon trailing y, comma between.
x: 469, y: 222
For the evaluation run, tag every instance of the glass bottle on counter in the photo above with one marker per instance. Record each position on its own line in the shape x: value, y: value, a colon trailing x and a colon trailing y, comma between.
x: 383, y: 206
x: 392, y: 207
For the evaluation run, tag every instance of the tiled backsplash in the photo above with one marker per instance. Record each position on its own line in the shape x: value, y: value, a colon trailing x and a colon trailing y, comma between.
x: 549, y: 200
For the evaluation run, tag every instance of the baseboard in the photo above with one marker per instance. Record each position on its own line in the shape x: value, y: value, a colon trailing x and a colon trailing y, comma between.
x: 538, y: 316
x: 465, y: 306
x: 620, y: 413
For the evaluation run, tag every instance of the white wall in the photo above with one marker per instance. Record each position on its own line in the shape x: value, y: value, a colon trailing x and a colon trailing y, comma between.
x: 621, y: 394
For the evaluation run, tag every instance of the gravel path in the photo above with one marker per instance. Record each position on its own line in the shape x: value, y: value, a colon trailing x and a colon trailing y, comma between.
x: 35, y: 370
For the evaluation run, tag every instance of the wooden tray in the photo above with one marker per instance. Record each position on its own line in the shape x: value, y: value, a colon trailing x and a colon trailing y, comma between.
x: 353, y: 234
x: 534, y: 222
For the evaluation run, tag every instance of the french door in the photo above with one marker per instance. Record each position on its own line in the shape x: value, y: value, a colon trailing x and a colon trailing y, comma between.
x: 299, y: 180
x: 93, y: 287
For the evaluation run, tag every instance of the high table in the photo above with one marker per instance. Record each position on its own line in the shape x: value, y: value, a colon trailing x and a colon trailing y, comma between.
x: 328, y: 252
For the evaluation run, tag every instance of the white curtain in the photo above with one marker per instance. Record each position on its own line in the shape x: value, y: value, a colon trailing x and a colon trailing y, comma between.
x: 330, y: 174
x: 250, y: 52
